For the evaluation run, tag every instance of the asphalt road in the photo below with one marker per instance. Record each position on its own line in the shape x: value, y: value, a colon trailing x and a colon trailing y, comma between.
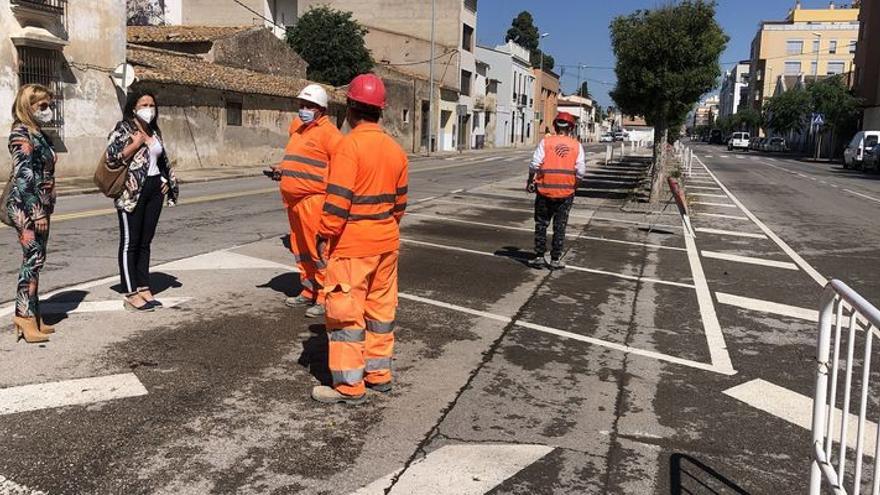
x: 635, y: 370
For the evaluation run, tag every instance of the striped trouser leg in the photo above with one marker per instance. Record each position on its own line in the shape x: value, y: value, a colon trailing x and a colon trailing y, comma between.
x: 346, y: 351
x: 380, y: 310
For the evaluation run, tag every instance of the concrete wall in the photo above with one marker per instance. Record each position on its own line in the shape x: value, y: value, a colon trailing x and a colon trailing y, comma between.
x: 406, y: 51
x: 259, y: 51
x: 402, y: 118
x: 214, y: 13
x: 96, y: 32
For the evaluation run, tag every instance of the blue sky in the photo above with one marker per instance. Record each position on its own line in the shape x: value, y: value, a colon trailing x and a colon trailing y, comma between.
x: 579, y: 30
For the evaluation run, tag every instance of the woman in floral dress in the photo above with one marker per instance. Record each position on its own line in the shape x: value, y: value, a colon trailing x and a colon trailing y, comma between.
x: 31, y: 202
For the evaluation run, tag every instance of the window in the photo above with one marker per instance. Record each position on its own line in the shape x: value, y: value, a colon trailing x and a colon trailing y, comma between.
x: 832, y: 47
x: 43, y: 66
x: 467, y: 37
x: 794, y: 47
x: 814, y: 68
x: 852, y: 46
x: 792, y: 68
x: 465, y: 83
x: 406, y: 116
x: 233, y: 113
x: 836, y: 68
x: 471, y: 5
x: 816, y: 46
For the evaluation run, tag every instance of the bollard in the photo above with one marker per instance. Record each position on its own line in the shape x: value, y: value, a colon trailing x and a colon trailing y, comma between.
x: 609, y: 153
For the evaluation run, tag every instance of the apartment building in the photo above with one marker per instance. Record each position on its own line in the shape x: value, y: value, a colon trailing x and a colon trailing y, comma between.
x: 734, y: 89
x: 509, y: 65
x: 867, y: 76
x: 547, y: 96
x: 399, y: 36
x: 809, y: 42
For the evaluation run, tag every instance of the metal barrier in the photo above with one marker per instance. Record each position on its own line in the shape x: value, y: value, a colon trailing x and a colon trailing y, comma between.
x: 842, y: 306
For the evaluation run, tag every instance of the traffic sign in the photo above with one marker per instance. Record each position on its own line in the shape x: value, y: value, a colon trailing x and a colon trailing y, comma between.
x: 818, y: 119
x: 123, y: 76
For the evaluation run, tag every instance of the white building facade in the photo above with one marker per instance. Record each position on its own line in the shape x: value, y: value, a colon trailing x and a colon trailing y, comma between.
x: 584, y: 110
x: 734, y: 89
x: 515, y: 111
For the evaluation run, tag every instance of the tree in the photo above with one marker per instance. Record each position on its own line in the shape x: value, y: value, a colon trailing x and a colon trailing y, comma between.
x: 788, y: 112
x: 584, y: 90
x: 748, y: 119
x: 666, y: 60
x: 831, y: 98
x: 145, y: 12
x: 333, y: 45
x: 523, y: 32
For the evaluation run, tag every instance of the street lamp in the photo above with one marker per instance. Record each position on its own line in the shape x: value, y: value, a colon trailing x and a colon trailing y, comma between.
x: 431, y: 83
x: 819, y: 49
x: 540, y: 52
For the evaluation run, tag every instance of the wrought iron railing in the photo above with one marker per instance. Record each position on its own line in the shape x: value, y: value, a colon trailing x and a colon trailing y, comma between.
x: 53, y: 6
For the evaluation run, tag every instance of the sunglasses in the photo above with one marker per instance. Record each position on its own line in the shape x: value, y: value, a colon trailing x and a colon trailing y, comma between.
x: 44, y: 106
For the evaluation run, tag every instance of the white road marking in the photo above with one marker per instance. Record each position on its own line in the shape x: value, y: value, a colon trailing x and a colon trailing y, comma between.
x: 720, y: 205
x: 221, y: 260
x: 523, y: 229
x: 72, y: 307
x: 719, y: 215
x: 9, y: 487
x: 865, y: 196
x: 456, y: 191
x: 425, y: 200
x: 571, y: 267
x: 767, y: 307
x: 779, y: 242
x: 750, y: 260
x: 714, y: 336
x: 725, y: 156
x: 460, y: 470
x: 731, y: 233
x: 69, y: 393
x: 707, y: 188
x: 572, y: 336
x: 797, y: 409
x: 707, y: 195
x: 707, y: 156
x: 772, y: 159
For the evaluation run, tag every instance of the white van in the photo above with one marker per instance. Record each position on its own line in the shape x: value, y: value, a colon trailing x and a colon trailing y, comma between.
x: 739, y: 141
x: 862, y: 142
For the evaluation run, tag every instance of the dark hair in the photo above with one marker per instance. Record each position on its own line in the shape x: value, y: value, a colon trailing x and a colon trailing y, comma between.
x: 128, y: 113
x: 360, y: 111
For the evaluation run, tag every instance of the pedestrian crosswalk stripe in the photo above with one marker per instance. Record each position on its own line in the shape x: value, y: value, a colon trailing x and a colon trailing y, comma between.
x: 222, y: 260
x: 750, y: 260
x: 69, y: 393
x: 731, y: 233
x: 767, y: 307
x: 72, y: 307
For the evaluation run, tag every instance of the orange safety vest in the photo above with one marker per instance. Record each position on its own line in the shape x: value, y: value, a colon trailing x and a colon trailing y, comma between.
x: 557, y: 177
x: 306, y: 159
x: 366, y: 194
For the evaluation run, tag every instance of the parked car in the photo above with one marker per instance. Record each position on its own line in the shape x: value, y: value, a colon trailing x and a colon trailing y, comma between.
x: 871, y: 160
x: 739, y: 141
x: 777, y: 144
x: 716, y: 137
x: 755, y: 144
x: 863, y: 142
x: 619, y: 135
x: 606, y: 138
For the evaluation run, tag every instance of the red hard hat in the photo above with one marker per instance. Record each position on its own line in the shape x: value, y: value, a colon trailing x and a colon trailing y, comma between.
x: 367, y: 89
x: 566, y: 118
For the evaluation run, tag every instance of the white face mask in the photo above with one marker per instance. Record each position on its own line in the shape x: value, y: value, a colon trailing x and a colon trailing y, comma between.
x: 307, y: 116
x: 146, y: 114
x: 43, y: 116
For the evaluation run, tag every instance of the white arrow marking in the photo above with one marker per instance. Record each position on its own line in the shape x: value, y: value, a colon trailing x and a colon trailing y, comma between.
x: 797, y: 409
x: 69, y: 393
x: 460, y: 470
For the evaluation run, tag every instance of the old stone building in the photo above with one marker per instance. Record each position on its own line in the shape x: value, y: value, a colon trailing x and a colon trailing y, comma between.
x: 72, y: 47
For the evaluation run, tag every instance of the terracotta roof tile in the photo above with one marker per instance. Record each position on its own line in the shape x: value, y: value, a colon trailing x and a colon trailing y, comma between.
x: 164, y: 66
x: 182, y: 34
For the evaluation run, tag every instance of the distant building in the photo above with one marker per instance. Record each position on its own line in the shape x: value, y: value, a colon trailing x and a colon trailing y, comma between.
x: 72, y: 48
x: 706, y: 113
x: 734, y: 89
x: 867, y: 76
x: 637, y: 130
x: 790, y: 47
x: 584, y: 110
x: 485, y: 107
x: 547, y: 92
x: 509, y: 65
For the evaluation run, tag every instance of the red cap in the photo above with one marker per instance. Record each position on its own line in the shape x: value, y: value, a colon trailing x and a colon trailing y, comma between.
x: 367, y: 89
x: 566, y: 118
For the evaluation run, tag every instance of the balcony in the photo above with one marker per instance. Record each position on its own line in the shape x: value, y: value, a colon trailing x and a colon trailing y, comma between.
x: 471, y: 5
x: 48, y: 14
x: 56, y: 7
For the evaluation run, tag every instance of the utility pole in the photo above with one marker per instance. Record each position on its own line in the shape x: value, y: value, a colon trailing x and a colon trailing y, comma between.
x: 431, y: 86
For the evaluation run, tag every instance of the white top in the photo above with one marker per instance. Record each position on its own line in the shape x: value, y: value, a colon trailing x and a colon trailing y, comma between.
x: 155, y: 152
x: 580, y: 167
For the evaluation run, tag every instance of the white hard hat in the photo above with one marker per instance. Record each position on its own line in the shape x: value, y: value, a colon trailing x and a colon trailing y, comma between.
x: 314, y: 93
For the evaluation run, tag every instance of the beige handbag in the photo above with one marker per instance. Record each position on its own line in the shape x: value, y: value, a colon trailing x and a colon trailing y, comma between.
x: 110, y: 181
x: 4, y: 200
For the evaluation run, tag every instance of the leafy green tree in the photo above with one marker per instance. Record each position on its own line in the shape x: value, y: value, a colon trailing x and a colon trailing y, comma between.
x: 667, y: 59
x: 748, y: 119
x: 525, y: 33
x: 727, y: 123
x: 836, y: 103
x: 584, y: 90
x: 332, y: 43
x: 788, y: 112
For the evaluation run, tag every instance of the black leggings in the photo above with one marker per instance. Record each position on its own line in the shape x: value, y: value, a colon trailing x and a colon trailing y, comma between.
x: 136, y: 231
x: 549, y: 210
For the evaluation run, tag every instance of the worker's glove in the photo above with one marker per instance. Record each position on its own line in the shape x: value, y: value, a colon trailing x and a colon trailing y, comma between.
x: 531, y: 188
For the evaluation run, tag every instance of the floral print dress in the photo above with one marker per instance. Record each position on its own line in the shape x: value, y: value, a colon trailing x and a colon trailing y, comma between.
x: 31, y: 198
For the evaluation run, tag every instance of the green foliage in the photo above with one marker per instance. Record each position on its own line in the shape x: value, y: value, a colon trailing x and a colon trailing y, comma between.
x: 747, y: 119
x: 332, y: 43
x: 584, y: 90
x: 832, y: 98
x: 524, y: 32
x: 666, y: 59
x: 788, y: 111
x: 726, y: 124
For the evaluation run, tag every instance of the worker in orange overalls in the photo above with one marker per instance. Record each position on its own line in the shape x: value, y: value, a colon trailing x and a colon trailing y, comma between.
x: 303, y: 174
x: 558, y: 164
x: 366, y: 199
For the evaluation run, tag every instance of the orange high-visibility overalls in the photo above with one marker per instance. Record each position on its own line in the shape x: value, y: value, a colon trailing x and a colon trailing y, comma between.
x: 303, y: 184
x: 366, y: 199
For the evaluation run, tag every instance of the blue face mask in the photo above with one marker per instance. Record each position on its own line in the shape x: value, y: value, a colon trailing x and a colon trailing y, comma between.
x: 307, y: 116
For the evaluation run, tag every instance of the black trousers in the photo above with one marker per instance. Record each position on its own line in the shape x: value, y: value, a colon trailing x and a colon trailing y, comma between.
x: 549, y: 210
x: 136, y: 231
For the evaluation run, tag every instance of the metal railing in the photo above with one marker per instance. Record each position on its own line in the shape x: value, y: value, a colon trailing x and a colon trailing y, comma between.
x: 843, y: 307
x: 53, y: 6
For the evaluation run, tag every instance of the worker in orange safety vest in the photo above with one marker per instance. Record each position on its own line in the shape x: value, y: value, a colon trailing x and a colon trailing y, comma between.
x: 302, y: 175
x: 366, y: 200
x: 558, y: 164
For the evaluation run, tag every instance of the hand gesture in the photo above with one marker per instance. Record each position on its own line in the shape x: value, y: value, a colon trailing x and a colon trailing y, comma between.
x: 138, y: 137
x: 42, y: 225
